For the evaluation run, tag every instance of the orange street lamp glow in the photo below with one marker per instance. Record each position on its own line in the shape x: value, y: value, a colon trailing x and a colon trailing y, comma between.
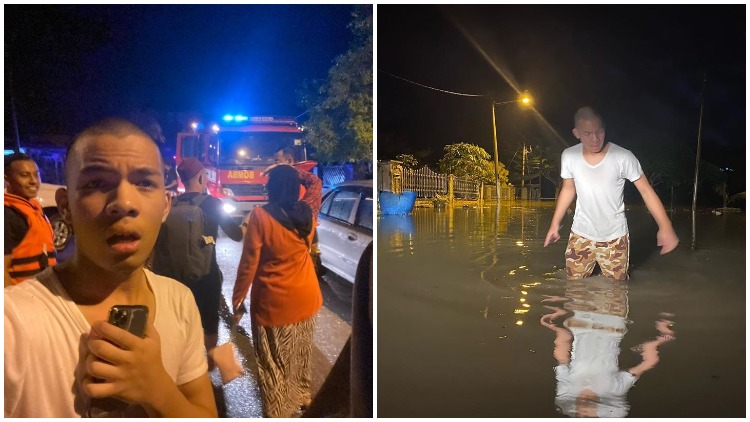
x: 525, y: 99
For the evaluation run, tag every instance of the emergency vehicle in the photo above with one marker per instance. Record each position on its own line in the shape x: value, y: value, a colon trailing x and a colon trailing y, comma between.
x: 236, y: 152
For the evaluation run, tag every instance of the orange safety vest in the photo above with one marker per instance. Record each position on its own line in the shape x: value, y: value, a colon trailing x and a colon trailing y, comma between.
x: 37, y: 249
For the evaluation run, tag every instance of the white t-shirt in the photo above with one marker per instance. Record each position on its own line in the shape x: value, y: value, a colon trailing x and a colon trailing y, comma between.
x: 44, y: 330
x: 600, y: 208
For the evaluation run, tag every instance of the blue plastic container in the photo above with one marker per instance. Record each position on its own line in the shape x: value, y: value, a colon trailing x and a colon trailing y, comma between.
x: 395, y: 204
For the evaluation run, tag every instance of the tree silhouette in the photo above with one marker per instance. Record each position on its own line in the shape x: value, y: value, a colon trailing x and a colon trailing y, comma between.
x: 340, y: 124
x: 469, y: 160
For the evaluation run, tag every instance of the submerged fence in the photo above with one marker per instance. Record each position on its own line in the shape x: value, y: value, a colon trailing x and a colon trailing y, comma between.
x: 431, y: 185
x: 425, y: 182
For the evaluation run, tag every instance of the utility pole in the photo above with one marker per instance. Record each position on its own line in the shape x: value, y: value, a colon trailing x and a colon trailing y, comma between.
x: 523, y: 165
x: 524, y: 193
x: 494, y: 137
x: 698, y: 159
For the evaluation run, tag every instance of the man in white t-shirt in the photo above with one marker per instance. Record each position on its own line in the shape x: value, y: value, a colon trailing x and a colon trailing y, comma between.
x: 62, y: 358
x: 595, y: 171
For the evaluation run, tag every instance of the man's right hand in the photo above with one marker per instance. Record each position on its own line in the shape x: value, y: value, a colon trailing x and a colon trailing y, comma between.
x: 667, y: 239
x: 553, y: 236
x: 131, y: 367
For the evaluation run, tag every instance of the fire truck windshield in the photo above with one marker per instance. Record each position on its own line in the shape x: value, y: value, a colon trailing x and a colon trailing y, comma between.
x: 240, y: 149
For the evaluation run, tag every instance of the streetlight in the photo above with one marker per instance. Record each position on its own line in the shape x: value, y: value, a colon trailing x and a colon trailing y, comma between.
x: 524, y: 100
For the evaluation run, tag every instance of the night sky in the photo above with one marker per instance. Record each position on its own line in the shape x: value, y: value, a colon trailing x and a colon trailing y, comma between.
x: 641, y: 66
x: 71, y: 65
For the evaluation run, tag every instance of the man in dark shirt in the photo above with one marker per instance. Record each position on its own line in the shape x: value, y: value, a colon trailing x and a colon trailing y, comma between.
x: 29, y: 238
x: 207, y: 291
x: 170, y: 176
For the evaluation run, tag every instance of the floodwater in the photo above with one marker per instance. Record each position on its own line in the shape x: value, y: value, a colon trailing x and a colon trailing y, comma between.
x: 476, y: 319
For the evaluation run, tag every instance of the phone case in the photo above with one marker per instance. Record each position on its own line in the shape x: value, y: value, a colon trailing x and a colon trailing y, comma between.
x: 132, y: 318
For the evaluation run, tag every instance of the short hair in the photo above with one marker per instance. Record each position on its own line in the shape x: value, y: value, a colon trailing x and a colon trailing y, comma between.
x: 283, y: 186
x: 287, y: 153
x: 16, y: 156
x: 587, y: 113
x: 116, y: 126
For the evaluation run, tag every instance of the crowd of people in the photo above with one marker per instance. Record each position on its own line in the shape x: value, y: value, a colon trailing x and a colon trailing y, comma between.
x: 124, y: 213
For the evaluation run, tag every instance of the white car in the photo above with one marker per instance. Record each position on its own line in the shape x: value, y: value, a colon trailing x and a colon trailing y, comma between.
x: 63, y: 231
x: 345, y: 227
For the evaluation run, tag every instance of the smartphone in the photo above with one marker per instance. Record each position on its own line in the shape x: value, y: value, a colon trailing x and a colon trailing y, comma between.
x: 131, y: 318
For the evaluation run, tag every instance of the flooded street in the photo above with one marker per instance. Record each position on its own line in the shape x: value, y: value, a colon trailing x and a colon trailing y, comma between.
x: 462, y: 293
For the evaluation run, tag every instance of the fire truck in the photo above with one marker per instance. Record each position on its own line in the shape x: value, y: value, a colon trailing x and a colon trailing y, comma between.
x: 236, y: 152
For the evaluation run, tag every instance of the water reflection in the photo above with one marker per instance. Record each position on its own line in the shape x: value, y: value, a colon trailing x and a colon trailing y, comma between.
x: 494, y: 241
x: 590, y: 382
x: 474, y: 224
x: 398, y: 230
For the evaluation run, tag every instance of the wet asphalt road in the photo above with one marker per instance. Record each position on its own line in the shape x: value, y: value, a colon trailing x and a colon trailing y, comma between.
x: 240, y: 398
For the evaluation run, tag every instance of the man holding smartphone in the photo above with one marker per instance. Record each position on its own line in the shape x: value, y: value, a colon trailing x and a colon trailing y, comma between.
x: 61, y: 354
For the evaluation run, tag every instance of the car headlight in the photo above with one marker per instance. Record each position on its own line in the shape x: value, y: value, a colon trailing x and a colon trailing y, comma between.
x: 227, y: 192
x: 229, y: 208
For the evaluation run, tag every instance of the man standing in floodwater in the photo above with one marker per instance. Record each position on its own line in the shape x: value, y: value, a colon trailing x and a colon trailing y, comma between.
x: 594, y: 171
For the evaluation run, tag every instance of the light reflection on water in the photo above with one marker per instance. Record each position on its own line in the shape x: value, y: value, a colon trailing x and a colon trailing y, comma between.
x: 460, y: 299
x: 496, y: 239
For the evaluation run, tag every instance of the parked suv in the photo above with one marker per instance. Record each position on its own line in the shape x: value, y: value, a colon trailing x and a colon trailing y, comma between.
x: 63, y: 231
x: 345, y: 227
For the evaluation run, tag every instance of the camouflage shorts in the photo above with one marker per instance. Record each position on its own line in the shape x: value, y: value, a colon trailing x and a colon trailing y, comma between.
x: 583, y: 254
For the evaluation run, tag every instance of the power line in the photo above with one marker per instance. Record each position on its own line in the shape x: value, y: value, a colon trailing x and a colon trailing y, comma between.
x: 433, y: 88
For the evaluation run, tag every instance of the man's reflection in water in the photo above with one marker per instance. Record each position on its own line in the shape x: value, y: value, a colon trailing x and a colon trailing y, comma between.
x: 590, y: 382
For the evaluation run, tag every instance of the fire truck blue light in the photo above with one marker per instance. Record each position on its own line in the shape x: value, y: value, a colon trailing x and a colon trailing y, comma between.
x: 235, y: 118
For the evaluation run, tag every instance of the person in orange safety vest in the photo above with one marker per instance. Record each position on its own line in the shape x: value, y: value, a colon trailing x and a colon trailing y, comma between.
x: 29, y: 245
